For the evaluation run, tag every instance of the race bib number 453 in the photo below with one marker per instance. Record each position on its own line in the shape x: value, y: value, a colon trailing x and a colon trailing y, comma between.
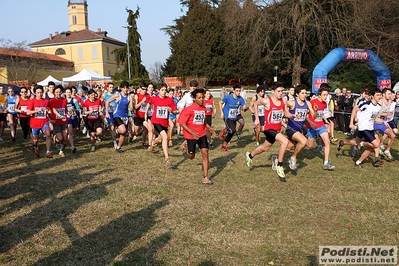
x: 199, y: 118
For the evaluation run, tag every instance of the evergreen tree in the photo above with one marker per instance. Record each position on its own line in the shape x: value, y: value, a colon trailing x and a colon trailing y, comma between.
x: 137, y: 69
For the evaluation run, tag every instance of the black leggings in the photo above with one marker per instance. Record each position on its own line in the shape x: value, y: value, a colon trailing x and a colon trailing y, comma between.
x: 25, y: 125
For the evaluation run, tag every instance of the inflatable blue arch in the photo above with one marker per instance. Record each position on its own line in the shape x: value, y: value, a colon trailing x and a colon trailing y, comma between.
x: 358, y: 55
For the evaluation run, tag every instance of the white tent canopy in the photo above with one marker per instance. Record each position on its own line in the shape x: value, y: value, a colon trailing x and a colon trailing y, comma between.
x: 85, y: 75
x: 49, y: 78
x: 396, y: 87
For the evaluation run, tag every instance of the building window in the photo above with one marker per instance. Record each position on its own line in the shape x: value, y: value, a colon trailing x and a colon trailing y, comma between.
x: 114, y: 56
x: 60, y: 51
x: 94, y: 52
x: 73, y: 7
x: 108, y: 73
x: 107, y: 52
x: 80, y: 53
x: 74, y: 21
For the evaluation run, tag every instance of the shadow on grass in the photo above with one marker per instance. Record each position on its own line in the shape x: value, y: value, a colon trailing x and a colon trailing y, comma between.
x: 103, y: 245
x: 220, y: 163
x: 207, y: 263
x: 146, y: 255
x: 58, y: 209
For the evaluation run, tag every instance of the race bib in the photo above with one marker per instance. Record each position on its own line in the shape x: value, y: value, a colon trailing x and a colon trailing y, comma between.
x: 71, y: 110
x: 209, y: 108
x: 261, y: 110
x: 41, y: 114
x: 199, y: 118
x: 373, y: 116
x: 24, y: 109
x: 319, y: 116
x: 93, y: 114
x: 11, y: 107
x: 301, y: 113
x: 162, y: 112
x: 61, y: 111
x: 233, y: 113
x: 143, y: 107
x: 111, y: 108
x: 277, y: 116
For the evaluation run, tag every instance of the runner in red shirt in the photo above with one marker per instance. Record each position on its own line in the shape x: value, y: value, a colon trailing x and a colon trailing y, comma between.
x: 192, y: 119
x: 316, y: 125
x: 22, y: 108
x: 141, y: 100
x: 93, y: 109
x: 275, y: 111
x: 163, y: 105
x: 38, y: 108
x: 58, y: 116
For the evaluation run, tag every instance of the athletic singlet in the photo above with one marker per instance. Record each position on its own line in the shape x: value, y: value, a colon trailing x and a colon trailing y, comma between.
x: 121, y: 108
x: 368, y: 115
x: 209, y: 106
x: 274, y: 116
x: 140, y: 112
x: 47, y: 97
x: 112, y: 104
x: 384, y: 109
x: 296, y: 124
x: 23, y: 106
x: 11, y: 104
x: 261, y: 107
x: 72, y: 105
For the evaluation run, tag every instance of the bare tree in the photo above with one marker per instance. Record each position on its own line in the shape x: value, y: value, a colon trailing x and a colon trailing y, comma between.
x: 156, y: 72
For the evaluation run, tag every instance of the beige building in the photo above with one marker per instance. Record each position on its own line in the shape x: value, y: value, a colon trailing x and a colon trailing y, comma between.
x: 86, y: 48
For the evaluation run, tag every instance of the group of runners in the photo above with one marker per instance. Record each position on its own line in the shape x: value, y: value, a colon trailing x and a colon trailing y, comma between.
x: 156, y: 113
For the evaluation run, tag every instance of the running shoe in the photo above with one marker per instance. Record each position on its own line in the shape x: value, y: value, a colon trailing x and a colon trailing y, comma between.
x: 274, y: 163
x: 54, y: 138
x: 248, y: 160
x: 93, y: 148
x: 206, y: 181
x: 377, y: 162
x: 119, y: 150
x: 98, y: 139
x: 61, y: 153
x: 144, y: 145
x: 382, y: 154
x: 183, y: 146
x: 224, y: 148
x: 151, y: 148
x: 340, y: 144
x: 333, y: 139
x: 354, y: 151
x: 84, y: 130
x: 280, y: 173
x: 359, y: 165
x: 388, y: 154
x: 130, y: 140
x: 382, y: 147
x: 49, y: 155
x: 257, y: 144
x: 222, y: 133
x: 37, y: 153
x: 211, y: 145
x: 13, y: 139
x: 168, y: 162
x: 292, y: 163
x: 73, y: 148
x: 170, y: 143
x: 328, y: 166
x: 115, y: 145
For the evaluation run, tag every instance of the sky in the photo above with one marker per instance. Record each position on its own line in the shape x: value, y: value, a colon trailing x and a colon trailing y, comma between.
x: 31, y: 21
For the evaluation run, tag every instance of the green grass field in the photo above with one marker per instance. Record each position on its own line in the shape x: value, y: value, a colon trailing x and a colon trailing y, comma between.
x: 106, y: 208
